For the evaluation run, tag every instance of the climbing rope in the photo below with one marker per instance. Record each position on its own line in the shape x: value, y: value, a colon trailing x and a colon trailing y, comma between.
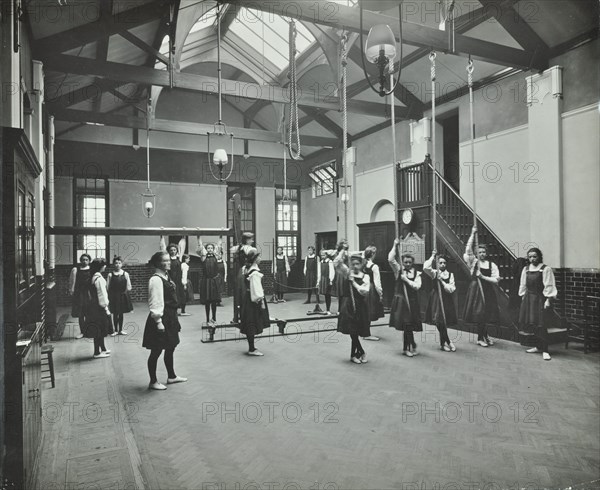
x: 292, y: 74
x: 344, y: 63
x: 432, y: 57
x: 470, y: 69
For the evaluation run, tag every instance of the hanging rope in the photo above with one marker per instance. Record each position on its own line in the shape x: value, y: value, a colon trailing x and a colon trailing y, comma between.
x: 432, y: 57
x: 470, y: 69
x: 394, y: 161
x: 294, y: 124
x: 437, y: 279
x: 344, y: 62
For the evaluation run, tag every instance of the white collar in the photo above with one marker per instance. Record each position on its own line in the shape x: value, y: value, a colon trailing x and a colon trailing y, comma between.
x: 161, y: 273
x: 118, y: 273
x: 536, y: 267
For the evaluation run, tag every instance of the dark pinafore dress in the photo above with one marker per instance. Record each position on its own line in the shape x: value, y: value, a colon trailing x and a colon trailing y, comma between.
x: 325, y: 281
x: 254, y: 317
x: 406, y: 316
x: 118, y: 296
x: 481, y: 308
x: 221, y: 281
x: 82, y: 279
x: 97, y: 322
x: 533, y: 316
x: 280, y: 285
x: 310, y: 279
x: 353, y: 318
x: 176, y: 275
x: 374, y: 300
x: 209, y: 285
x: 434, y: 314
x: 169, y: 339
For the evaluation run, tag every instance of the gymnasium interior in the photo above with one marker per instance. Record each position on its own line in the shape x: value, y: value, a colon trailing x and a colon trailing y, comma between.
x: 130, y: 125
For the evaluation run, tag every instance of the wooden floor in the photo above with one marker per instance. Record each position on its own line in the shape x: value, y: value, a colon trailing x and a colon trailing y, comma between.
x: 304, y: 417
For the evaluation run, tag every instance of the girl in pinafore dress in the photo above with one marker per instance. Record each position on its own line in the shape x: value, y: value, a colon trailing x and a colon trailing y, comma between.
x: 162, y: 325
x: 481, y: 303
x: 186, y: 284
x: 281, y: 269
x: 312, y: 274
x: 443, y: 281
x: 406, y: 310
x: 376, y: 292
x: 210, y: 296
x: 119, y: 285
x: 254, y: 313
x: 176, y: 251
x: 96, y: 309
x: 353, y: 313
x: 538, y: 289
x: 327, y: 276
x: 222, y: 267
x: 78, y: 281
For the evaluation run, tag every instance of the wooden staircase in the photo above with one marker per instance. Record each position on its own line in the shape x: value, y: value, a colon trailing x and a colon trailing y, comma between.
x: 454, y: 220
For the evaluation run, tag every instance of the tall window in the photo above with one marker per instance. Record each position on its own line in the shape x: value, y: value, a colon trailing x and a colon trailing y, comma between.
x: 90, y: 211
x: 25, y: 253
x: 247, y: 194
x: 287, y: 226
x: 323, y: 178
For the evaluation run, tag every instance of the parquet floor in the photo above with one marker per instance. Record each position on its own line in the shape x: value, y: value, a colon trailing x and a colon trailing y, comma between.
x: 304, y: 417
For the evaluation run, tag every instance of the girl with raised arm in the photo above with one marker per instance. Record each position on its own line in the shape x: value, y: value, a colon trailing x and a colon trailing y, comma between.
x: 375, y: 298
x: 481, y: 303
x: 406, y: 311
x: 440, y: 309
x: 210, y: 295
x: 353, y: 315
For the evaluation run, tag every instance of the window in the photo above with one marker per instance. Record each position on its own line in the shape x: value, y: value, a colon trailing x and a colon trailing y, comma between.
x: 25, y: 253
x: 90, y: 211
x: 247, y: 223
x: 287, y: 226
x: 323, y: 179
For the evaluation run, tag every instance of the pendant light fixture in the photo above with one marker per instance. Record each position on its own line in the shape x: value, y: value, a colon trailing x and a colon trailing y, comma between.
x: 148, y: 197
x: 219, y: 158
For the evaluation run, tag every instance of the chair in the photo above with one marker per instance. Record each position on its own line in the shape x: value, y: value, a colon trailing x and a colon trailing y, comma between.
x: 47, y: 351
x: 586, y: 331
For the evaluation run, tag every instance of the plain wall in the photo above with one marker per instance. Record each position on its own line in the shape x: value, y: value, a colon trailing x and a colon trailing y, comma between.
x: 580, y: 186
x: 373, y: 187
x: 317, y: 215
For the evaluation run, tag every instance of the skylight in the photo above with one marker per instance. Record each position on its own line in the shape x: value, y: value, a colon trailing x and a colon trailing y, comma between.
x: 269, y: 34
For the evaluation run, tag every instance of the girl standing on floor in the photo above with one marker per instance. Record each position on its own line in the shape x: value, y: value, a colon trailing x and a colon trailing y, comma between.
x: 254, y: 313
x: 538, y: 289
x: 443, y: 281
x: 175, y: 251
x: 222, y: 267
x: 186, y: 284
x: 312, y: 274
x: 97, y: 312
x: 406, y: 311
x: 375, y: 298
x: 78, y: 282
x: 481, y: 303
x: 327, y: 276
x: 281, y: 269
x: 353, y: 313
x: 119, y: 285
x: 209, y: 285
x: 162, y: 325
x: 239, y: 253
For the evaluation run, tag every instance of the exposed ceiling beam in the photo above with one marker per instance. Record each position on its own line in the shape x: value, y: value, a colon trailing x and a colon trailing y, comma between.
x: 136, y: 41
x: 517, y: 27
x: 585, y: 37
x: 204, y: 84
x: 183, y: 127
x: 413, y: 34
x: 324, y: 121
x: 100, y: 29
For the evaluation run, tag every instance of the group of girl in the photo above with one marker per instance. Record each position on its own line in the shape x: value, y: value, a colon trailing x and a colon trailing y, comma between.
x: 95, y: 299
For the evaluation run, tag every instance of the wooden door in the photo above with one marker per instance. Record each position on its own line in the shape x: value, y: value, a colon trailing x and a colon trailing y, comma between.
x: 381, y: 235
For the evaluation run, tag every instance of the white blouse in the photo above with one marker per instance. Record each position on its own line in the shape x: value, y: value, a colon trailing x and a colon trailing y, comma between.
x: 156, y: 299
x: 550, y: 290
x: 184, y: 273
x: 363, y: 288
x: 397, y: 268
x: 376, y: 277
x: 256, y: 290
x: 428, y: 269
x: 100, y: 284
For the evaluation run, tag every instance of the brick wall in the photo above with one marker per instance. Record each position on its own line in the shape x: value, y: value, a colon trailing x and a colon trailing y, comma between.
x: 139, y: 275
x: 573, y: 285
